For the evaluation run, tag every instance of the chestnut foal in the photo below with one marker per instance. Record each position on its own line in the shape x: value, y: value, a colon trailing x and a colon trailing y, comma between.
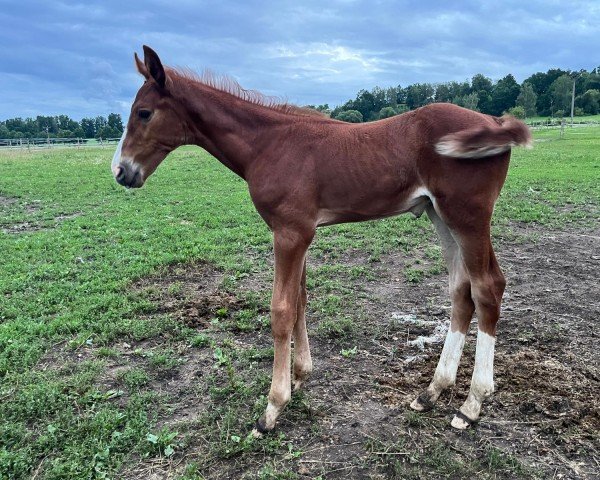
x: 305, y: 170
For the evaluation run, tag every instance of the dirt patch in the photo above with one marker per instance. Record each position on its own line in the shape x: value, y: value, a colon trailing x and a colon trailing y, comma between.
x: 7, y: 201
x: 191, y: 294
x: 353, y: 421
x: 36, y: 225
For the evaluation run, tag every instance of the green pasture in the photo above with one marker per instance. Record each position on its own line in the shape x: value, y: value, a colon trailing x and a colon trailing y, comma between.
x: 73, y: 243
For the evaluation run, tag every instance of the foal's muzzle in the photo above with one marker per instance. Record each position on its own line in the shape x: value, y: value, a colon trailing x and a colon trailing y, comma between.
x: 128, y: 176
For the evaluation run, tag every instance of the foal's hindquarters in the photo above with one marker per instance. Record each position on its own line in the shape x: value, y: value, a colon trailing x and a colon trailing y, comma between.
x: 476, y: 284
x: 462, y: 218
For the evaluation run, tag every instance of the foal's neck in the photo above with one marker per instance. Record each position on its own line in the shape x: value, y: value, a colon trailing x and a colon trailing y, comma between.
x: 228, y: 127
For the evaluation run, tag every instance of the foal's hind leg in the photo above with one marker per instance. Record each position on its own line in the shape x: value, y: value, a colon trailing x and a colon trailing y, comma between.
x: 487, y: 288
x: 302, y: 358
x: 462, y: 312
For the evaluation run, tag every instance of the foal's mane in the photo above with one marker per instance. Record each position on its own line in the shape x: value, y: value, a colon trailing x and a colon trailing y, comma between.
x: 224, y: 83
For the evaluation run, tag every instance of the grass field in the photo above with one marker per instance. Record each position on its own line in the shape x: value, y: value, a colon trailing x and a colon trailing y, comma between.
x: 134, y: 330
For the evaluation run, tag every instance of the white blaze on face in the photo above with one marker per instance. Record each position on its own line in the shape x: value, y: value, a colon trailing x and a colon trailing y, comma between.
x: 117, y: 156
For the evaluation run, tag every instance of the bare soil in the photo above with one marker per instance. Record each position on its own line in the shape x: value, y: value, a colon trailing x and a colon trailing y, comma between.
x: 353, y: 420
x: 33, y: 225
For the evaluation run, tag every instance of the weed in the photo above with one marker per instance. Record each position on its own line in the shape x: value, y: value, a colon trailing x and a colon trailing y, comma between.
x: 349, y: 353
x: 336, y: 328
x: 135, y: 378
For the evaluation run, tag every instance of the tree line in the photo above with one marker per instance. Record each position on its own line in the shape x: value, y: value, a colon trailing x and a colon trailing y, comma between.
x: 62, y: 126
x: 542, y: 94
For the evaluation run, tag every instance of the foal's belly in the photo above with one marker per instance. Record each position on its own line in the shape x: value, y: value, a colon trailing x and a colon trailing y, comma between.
x: 372, y: 209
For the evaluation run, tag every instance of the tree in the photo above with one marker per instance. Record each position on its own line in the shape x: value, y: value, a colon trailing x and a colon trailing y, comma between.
x: 541, y: 82
x: 115, y: 122
x: 419, y: 94
x: 66, y: 123
x: 89, y: 127
x: 391, y: 96
x: 561, y: 91
x: 99, y: 124
x: 352, y: 116
x: 47, y: 125
x: 469, y: 101
x: 78, y: 133
x: 443, y: 93
x: 591, y: 82
x: 324, y: 108
x: 527, y: 99
x: 482, y: 86
x: 589, y: 102
x: 504, y: 95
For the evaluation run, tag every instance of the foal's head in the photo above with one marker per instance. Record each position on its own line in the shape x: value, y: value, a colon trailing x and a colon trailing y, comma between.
x: 155, y: 125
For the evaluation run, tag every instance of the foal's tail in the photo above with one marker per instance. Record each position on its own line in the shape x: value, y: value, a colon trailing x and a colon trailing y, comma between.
x: 486, y: 141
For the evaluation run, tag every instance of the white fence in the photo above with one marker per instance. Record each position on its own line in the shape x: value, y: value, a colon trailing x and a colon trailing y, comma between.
x: 29, y: 144
x: 557, y: 123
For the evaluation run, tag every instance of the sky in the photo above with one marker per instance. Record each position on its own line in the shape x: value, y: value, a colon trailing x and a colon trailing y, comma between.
x: 77, y: 58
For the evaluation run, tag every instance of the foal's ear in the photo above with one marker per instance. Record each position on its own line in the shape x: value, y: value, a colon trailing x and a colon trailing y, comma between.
x: 154, y: 66
x: 141, y: 68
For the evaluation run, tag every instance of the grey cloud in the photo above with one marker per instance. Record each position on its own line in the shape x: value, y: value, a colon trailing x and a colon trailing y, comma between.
x: 80, y: 54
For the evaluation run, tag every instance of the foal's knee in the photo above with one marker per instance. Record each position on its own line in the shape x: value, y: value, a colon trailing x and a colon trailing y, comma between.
x: 283, y: 317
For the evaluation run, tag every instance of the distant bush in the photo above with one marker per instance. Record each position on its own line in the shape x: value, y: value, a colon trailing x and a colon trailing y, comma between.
x: 387, y: 112
x: 517, y: 112
x: 352, y: 116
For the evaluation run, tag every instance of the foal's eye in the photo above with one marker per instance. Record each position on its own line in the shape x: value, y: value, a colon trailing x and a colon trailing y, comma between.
x: 144, y: 114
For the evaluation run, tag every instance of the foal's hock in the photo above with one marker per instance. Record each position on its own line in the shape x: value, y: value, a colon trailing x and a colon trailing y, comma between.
x: 305, y: 170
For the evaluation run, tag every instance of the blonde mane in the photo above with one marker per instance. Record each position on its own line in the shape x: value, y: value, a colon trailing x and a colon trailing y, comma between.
x: 226, y: 84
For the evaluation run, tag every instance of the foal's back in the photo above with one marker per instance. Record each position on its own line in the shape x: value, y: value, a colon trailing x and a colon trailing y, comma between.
x: 351, y: 172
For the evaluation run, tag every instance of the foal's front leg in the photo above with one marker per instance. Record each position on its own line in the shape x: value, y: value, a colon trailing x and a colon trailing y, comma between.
x: 290, y: 252
x: 302, y: 358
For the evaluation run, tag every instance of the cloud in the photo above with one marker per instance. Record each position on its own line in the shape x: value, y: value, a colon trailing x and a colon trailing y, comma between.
x: 76, y: 58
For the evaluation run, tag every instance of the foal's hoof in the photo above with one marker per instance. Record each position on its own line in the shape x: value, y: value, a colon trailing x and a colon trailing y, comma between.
x: 298, y: 383
x: 260, y: 428
x: 461, y: 421
x: 300, y: 380
x: 422, y: 403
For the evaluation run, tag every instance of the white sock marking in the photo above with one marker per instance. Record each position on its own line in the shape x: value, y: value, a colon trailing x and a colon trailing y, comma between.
x: 445, y: 373
x: 482, y: 383
x: 483, y: 374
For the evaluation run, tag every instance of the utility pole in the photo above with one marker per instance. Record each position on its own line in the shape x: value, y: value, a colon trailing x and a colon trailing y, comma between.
x: 573, y: 100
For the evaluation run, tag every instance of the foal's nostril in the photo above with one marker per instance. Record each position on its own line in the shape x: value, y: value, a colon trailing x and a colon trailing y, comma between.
x: 119, y: 173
